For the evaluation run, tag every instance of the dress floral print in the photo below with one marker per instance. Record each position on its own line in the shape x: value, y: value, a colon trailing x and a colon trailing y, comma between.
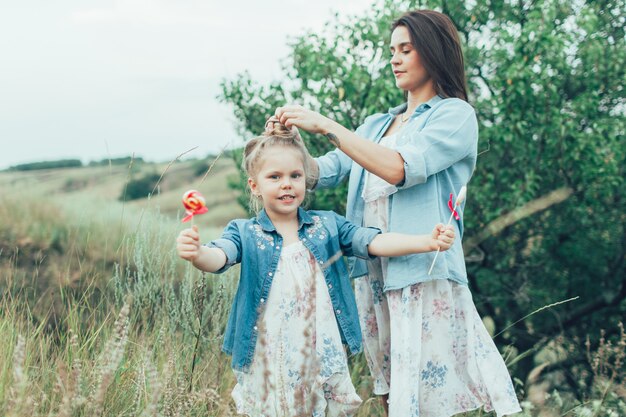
x: 456, y: 365
x: 429, y: 336
x: 299, y: 358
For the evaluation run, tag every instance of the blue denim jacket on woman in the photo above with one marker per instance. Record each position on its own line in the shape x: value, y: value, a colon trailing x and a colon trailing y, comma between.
x: 439, y: 148
x: 256, y: 244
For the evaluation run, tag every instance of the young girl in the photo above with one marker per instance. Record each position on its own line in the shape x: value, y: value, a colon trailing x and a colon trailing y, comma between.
x: 294, y: 307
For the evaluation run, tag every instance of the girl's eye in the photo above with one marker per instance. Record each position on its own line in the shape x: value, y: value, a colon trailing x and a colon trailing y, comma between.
x: 296, y: 175
x: 274, y: 177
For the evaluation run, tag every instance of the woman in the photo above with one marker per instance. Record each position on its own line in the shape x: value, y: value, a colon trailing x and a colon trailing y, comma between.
x: 426, y: 346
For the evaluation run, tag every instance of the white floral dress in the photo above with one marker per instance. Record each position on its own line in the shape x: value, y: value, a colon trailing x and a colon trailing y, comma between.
x: 425, y: 344
x: 299, y: 365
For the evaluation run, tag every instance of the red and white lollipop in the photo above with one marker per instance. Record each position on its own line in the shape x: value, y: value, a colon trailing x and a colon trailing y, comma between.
x: 194, y: 204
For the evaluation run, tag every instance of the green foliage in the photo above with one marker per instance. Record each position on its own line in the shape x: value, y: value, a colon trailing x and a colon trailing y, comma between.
x: 61, y: 163
x: 547, y: 80
x: 141, y: 187
x: 201, y: 166
x: 548, y: 88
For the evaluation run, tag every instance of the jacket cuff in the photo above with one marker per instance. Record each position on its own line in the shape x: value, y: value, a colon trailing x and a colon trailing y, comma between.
x: 361, y: 240
x: 414, y: 167
x: 229, y: 249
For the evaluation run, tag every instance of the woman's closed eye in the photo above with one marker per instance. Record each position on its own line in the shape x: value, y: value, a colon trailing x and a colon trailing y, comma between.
x: 404, y: 51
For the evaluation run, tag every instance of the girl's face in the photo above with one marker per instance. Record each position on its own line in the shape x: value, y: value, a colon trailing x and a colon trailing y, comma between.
x: 280, y: 182
x: 406, y: 63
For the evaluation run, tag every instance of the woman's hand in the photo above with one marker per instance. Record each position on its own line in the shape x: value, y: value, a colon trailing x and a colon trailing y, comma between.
x: 443, y: 237
x: 188, y: 244
x: 296, y: 115
x: 270, y: 126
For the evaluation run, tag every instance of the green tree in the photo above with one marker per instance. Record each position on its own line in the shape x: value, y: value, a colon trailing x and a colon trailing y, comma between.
x: 547, y: 80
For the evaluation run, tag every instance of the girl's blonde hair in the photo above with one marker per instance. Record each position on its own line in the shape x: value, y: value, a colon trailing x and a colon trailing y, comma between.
x: 280, y: 135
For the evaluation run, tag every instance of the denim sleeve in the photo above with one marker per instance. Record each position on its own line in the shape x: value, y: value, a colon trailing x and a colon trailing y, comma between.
x: 353, y: 239
x: 450, y: 135
x: 230, y: 243
x: 334, y: 166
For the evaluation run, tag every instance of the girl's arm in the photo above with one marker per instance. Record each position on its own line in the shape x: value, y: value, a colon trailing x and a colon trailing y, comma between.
x: 204, y: 258
x: 209, y: 259
x: 398, y: 244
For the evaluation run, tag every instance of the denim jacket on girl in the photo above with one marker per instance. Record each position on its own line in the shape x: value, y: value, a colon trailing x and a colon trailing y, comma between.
x: 256, y: 244
x: 439, y: 148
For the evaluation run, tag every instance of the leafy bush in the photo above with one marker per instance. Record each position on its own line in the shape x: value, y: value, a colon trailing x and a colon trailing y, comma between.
x: 140, y: 187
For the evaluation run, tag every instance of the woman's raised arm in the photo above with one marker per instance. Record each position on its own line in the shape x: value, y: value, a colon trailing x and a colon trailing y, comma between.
x: 383, y: 162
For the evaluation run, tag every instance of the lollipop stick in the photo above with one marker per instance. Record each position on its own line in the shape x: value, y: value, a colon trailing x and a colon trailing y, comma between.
x: 434, y: 259
x: 450, y: 219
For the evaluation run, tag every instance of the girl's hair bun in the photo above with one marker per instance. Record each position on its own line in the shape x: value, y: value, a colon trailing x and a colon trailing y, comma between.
x: 281, y: 131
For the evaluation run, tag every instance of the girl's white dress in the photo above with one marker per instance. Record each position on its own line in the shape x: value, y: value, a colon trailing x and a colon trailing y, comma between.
x: 425, y: 344
x: 300, y: 365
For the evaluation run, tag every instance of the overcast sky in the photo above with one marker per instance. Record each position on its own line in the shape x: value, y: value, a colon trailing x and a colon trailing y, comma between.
x: 95, y: 79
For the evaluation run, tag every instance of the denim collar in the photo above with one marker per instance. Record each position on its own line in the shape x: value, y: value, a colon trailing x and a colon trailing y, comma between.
x: 267, y: 225
x: 394, y: 111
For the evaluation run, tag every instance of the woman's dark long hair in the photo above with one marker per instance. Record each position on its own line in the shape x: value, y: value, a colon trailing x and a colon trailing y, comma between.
x: 436, y: 40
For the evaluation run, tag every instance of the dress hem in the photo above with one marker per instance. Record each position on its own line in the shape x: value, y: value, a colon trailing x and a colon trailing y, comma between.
x: 499, y: 414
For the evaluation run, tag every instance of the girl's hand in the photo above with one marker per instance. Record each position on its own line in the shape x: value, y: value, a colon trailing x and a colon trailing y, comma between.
x: 188, y: 244
x: 443, y: 237
x: 296, y: 115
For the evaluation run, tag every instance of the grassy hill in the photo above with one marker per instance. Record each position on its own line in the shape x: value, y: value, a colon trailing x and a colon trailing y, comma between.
x: 73, y: 257
x: 67, y: 223
x: 66, y: 229
x: 101, y: 186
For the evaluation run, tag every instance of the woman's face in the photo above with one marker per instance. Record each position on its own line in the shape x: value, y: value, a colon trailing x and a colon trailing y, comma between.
x: 406, y: 63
